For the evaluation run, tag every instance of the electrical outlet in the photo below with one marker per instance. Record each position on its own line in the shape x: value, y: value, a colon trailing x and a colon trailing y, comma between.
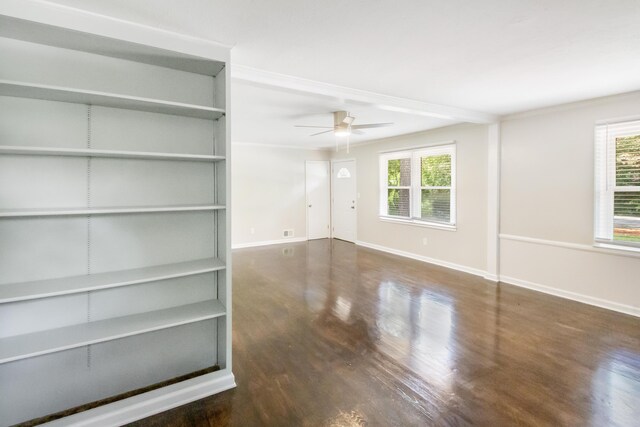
x: 287, y: 251
x: 287, y: 233
x: 424, y: 241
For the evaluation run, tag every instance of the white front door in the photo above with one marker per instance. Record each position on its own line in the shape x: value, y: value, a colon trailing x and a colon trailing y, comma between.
x: 343, y: 181
x: 318, y: 203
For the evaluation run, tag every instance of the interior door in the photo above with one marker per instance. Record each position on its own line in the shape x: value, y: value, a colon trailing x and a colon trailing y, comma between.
x: 318, y: 200
x: 343, y: 183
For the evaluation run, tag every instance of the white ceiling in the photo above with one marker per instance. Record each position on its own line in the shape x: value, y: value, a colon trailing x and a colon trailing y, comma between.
x: 269, y: 114
x: 492, y: 56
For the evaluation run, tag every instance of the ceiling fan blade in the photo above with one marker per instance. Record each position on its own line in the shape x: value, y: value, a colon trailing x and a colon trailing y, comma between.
x: 320, y: 133
x: 356, y: 132
x: 319, y: 127
x: 371, y: 125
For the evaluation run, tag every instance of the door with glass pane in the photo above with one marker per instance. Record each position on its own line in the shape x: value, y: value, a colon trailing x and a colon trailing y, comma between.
x: 343, y: 181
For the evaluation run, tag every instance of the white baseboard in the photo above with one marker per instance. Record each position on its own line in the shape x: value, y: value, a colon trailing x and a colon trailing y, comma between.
x: 598, y: 302
x: 268, y: 242
x: 422, y: 258
x: 153, y: 402
x: 492, y: 277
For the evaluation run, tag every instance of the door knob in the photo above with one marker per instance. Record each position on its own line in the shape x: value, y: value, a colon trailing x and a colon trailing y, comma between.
x: 353, y: 207
x: 309, y: 205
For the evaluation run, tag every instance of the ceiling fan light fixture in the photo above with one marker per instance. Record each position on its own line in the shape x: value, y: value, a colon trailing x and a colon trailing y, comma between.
x: 342, y: 132
x: 343, y: 127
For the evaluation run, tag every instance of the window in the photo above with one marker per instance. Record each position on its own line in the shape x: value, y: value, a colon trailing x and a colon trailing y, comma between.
x: 419, y: 185
x: 617, y: 198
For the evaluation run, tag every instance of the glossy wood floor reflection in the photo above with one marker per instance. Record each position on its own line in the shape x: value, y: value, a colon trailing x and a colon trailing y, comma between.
x: 330, y: 334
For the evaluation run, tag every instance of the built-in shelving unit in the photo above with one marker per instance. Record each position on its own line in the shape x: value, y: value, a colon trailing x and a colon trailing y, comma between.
x: 114, y: 216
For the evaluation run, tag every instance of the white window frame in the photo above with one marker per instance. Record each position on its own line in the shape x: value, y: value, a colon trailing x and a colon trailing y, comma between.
x: 415, y: 189
x: 605, y: 181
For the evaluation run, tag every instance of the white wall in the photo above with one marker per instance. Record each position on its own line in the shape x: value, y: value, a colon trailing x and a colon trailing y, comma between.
x: 547, y: 206
x: 268, y: 192
x: 463, y: 249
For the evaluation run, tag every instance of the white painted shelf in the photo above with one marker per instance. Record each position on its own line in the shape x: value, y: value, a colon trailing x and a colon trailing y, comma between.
x: 54, y: 340
x: 12, y: 292
x: 80, y: 152
x: 105, y: 99
x: 20, y: 213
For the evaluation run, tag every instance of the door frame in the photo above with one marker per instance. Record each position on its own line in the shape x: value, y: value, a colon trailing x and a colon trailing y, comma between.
x: 355, y: 168
x: 306, y: 197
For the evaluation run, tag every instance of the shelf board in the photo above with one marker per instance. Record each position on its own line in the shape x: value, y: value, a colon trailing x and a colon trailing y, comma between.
x: 104, y: 99
x: 80, y: 152
x: 53, y: 340
x: 23, y: 291
x: 20, y: 213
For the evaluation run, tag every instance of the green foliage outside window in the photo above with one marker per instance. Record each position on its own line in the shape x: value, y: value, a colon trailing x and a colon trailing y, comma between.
x: 436, y: 172
x: 628, y: 161
x: 626, y: 204
x: 398, y: 175
x: 393, y: 173
x: 627, y: 174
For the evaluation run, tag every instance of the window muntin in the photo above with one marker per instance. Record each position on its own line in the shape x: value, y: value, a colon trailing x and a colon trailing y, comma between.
x: 419, y: 185
x: 617, y: 216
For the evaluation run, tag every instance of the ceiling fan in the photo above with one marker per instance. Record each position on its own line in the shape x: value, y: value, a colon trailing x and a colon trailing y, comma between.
x: 343, y: 126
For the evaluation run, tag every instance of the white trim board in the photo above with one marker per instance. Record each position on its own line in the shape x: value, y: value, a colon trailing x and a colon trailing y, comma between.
x: 575, y: 246
x: 574, y: 296
x: 153, y: 402
x: 447, y: 264
x: 268, y: 242
x: 598, y: 302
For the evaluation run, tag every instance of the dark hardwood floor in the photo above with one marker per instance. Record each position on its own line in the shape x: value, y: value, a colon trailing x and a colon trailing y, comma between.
x: 330, y: 334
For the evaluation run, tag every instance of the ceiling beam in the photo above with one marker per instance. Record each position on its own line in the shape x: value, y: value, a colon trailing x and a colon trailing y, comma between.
x: 241, y: 73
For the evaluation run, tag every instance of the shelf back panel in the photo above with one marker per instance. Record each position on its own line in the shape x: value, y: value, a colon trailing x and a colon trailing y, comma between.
x: 38, y: 123
x: 117, y: 129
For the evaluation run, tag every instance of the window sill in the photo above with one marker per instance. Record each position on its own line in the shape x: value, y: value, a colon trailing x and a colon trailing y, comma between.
x: 419, y: 223
x: 630, y: 250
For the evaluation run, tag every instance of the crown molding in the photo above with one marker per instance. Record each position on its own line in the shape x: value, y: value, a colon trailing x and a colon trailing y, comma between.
x: 242, y: 73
